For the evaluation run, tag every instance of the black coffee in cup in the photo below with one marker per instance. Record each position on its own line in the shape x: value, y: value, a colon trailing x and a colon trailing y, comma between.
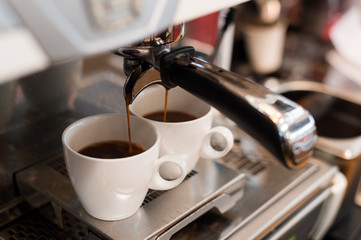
x: 111, y: 149
x: 171, y: 116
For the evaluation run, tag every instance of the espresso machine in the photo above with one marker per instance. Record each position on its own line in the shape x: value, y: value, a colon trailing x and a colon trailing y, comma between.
x: 65, y: 60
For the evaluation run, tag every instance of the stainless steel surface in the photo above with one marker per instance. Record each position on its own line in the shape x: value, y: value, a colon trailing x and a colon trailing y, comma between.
x: 264, y: 194
x: 248, y: 165
x: 338, y: 118
x: 263, y: 187
x: 282, y: 206
x: 170, y: 35
x: 152, y: 47
x: 252, y: 166
x: 269, y: 196
x: 101, y: 95
x: 150, y: 50
x: 32, y: 134
x: 330, y: 107
x: 269, y: 201
x: 138, y: 80
x: 164, y: 211
x: 54, y: 89
x: 222, y: 203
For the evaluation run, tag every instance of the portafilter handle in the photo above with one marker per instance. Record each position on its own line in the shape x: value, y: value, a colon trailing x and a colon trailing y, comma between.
x: 280, y: 125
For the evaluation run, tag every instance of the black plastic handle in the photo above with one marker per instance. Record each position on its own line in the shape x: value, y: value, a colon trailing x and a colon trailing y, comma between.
x: 280, y: 125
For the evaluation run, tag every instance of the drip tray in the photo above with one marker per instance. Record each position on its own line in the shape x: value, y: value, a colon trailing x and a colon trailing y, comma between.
x: 211, y: 185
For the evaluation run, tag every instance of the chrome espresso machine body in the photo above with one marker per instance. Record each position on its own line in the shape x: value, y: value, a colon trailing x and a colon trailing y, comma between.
x: 268, y: 187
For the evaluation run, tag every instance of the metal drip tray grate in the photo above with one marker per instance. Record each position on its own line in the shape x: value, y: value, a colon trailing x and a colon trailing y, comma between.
x: 209, y: 180
x: 163, y: 211
x: 226, y: 184
x: 251, y: 164
x: 58, y: 164
x: 246, y: 164
x: 153, y: 194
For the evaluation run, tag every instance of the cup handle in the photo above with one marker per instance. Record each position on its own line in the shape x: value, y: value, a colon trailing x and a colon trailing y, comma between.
x: 208, y: 151
x: 160, y: 183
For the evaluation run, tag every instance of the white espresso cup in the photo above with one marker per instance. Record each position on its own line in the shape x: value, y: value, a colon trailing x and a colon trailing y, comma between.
x: 114, y: 189
x: 191, y: 138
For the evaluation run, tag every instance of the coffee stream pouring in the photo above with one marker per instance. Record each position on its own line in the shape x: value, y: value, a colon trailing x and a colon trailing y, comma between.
x: 283, y: 127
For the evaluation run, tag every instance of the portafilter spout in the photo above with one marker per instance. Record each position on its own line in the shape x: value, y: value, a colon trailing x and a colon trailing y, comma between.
x: 142, y: 61
x: 280, y: 125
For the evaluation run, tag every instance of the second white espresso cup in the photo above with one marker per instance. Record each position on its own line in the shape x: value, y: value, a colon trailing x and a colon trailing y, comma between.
x: 191, y: 138
x: 114, y: 189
